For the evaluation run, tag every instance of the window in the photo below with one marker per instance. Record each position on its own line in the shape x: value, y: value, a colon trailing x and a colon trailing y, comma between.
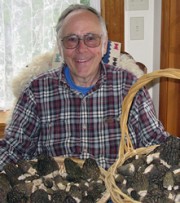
x: 87, y: 2
x: 27, y: 30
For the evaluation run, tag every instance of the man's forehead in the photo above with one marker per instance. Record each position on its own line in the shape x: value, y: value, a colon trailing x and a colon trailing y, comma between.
x: 81, y: 21
x: 81, y: 12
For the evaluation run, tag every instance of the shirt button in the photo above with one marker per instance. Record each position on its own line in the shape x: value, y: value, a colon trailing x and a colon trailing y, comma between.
x: 83, y: 102
x: 85, y: 150
x: 84, y: 127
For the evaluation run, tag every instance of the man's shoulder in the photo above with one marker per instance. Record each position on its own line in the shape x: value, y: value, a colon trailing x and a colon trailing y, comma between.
x: 120, y: 73
x: 47, y: 78
x: 52, y: 73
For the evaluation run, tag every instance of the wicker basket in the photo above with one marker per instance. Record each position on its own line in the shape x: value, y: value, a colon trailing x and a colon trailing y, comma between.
x: 126, y: 149
x: 60, y: 161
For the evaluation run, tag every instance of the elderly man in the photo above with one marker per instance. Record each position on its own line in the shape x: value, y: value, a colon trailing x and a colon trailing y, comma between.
x: 74, y: 110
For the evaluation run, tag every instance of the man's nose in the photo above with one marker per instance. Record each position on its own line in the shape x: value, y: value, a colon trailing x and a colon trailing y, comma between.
x: 81, y: 44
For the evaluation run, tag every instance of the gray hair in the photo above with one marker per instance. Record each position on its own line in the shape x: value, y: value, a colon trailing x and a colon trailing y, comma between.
x: 74, y: 7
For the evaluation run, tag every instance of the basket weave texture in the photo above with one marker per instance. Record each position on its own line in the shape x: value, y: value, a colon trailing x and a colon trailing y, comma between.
x: 126, y: 149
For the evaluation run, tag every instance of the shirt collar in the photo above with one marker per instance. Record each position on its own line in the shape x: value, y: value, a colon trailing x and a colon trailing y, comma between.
x: 101, y: 78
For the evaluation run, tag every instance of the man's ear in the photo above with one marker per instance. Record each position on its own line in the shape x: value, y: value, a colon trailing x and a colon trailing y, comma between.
x: 61, y: 52
x: 104, y: 46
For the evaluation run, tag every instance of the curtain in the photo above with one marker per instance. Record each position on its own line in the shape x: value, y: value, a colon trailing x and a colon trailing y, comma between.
x: 27, y: 28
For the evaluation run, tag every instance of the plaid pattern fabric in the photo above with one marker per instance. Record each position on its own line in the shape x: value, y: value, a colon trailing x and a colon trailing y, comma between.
x: 50, y: 117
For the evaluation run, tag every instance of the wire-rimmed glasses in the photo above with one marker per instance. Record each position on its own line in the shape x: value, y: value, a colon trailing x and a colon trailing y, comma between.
x: 90, y: 40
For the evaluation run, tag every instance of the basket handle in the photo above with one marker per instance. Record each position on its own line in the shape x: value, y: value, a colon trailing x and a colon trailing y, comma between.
x: 126, y: 143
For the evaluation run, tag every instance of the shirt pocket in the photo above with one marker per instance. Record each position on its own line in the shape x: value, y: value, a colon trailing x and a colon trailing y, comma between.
x: 54, y: 129
x: 57, y: 138
x: 111, y: 124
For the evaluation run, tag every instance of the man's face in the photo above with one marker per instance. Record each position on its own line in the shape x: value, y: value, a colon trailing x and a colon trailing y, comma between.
x: 83, y: 61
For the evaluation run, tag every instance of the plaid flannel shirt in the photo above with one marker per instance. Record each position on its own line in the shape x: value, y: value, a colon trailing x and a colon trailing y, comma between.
x: 49, y: 117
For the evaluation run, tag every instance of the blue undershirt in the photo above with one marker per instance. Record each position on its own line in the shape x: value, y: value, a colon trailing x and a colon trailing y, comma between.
x: 83, y: 90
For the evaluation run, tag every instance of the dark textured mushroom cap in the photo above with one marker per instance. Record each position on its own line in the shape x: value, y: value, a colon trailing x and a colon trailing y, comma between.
x: 13, y: 172
x: 46, y: 165
x: 157, y: 173
x: 39, y: 196
x: 119, y: 178
x: 19, y: 193
x: 48, y: 182
x: 25, y: 165
x: 75, y: 192
x: 168, y: 180
x: 87, y: 199
x: 140, y: 182
x: 58, y: 196
x: 156, y: 195
x: 3, y: 196
x: 91, y: 169
x: 177, y: 178
x: 126, y: 170
x: 170, y: 150
x: 69, y: 199
x: 96, y: 190
x: 4, y: 183
x: 73, y: 170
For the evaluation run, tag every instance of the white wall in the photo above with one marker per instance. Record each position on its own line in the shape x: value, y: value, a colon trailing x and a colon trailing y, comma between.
x: 96, y: 4
x: 146, y: 51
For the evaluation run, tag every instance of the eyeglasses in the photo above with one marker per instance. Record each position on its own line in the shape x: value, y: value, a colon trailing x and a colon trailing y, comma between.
x: 90, y: 40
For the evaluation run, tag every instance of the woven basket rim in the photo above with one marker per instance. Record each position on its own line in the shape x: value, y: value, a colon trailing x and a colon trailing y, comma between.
x: 126, y: 149
x: 126, y: 105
